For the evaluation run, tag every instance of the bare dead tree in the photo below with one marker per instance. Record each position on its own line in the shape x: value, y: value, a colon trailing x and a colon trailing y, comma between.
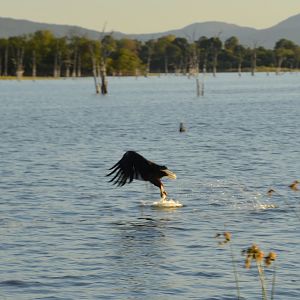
x: 74, y: 65
x: 34, y: 64
x: 19, y: 63
x: 99, y: 54
x: 94, y: 67
x: 149, y: 46
x: 57, y: 63
x: 216, y: 46
x: 67, y: 63
x: 193, y: 57
x: 253, y: 59
x: 79, y: 65
x: 103, y: 58
x: 5, y: 72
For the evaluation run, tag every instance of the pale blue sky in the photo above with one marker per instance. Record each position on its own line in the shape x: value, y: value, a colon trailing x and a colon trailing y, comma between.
x: 147, y: 16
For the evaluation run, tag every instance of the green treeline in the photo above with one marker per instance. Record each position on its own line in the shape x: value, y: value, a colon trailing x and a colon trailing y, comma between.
x: 43, y: 54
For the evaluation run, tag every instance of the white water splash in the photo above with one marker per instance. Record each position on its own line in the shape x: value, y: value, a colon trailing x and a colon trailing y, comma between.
x: 164, y: 203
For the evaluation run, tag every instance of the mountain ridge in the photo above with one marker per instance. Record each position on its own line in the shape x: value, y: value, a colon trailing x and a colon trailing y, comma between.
x: 248, y: 36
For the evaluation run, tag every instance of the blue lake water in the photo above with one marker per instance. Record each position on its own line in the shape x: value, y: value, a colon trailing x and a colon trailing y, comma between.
x: 66, y: 233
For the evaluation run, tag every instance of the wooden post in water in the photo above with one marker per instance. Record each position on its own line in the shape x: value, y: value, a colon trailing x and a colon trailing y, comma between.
x: 199, y: 87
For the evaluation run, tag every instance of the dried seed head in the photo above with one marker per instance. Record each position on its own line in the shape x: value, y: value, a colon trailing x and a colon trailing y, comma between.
x: 259, y: 256
x: 270, y: 258
x: 252, y: 251
x: 272, y: 255
x: 227, y: 236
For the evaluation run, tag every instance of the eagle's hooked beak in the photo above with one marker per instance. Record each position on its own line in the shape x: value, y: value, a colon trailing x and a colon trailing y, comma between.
x: 170, y: 174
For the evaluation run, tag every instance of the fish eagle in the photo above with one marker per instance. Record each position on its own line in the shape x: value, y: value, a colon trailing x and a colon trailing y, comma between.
x: 134, y: 166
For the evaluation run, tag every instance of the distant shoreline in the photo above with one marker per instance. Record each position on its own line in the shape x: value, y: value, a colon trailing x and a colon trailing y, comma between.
x: 245, y: 71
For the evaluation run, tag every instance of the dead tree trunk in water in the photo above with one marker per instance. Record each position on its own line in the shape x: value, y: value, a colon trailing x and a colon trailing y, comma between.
x: 5, y: 61
x: 79, y: 66
x: 166, y: 64
x: 57, y: 62
x: 148, y: 65
x: 103, y: 77
x: 55, y: 71
x: 33, y: 64
x: 215, y: 61
x: 253, y: 61
x: 106, y: 47
x: 97, y: 85
x: 240, y: 66
x: 74, y: 64
x: 204, y: 68
x: 55, y: 68
x: 19, y: 62
x: 279, y: 64
x: 67, y: 64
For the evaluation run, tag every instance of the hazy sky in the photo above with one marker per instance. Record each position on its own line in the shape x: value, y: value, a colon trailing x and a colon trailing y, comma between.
x: 148, y: 16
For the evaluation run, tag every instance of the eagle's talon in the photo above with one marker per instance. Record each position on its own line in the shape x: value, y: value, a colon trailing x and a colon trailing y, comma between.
x: 164, y: 196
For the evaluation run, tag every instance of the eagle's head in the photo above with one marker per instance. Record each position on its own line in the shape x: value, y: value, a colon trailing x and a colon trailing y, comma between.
x: 166, y: 172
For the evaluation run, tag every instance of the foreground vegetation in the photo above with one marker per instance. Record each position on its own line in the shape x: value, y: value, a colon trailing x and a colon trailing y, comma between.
x: 43, y: 54
x: 254, y: 255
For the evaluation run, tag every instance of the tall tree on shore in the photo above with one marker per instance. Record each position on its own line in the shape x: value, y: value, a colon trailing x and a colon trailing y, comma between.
x: 146, y: 53
x: 161, y: 50
x: 3, y: 56
x: 284, y: 49
x: 128, y: 50
x: 182, y: 55
x: 40, y: 47
x: 18, y: 45
x: 215, y: 48
x: 236, y: 51
x: 203, y: 44
x: 33, y: 49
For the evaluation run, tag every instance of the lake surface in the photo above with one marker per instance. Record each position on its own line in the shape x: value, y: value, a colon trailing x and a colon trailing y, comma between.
x: 66, y: 233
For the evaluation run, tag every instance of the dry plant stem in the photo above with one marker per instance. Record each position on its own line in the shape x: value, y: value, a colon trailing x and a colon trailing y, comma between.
x: 273, y: 282
x: 262, y: 280
x: 235, y: 273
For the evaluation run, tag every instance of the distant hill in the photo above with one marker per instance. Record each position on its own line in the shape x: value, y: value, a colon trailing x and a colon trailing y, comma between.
x: 209, y: 29
x: 248, y: 36
x: 13, y: 27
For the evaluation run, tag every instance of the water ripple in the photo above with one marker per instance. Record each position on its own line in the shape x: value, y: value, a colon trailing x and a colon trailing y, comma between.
x: 66, y: 233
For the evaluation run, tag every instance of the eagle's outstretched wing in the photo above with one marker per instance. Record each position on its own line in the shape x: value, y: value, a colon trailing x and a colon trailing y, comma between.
x: 130, y: 166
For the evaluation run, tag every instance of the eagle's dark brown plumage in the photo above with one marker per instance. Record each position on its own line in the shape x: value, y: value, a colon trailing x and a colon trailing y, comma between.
x: 134, y: 166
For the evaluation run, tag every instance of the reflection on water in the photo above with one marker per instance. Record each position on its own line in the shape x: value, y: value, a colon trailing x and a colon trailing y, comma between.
x: 66, y: 233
